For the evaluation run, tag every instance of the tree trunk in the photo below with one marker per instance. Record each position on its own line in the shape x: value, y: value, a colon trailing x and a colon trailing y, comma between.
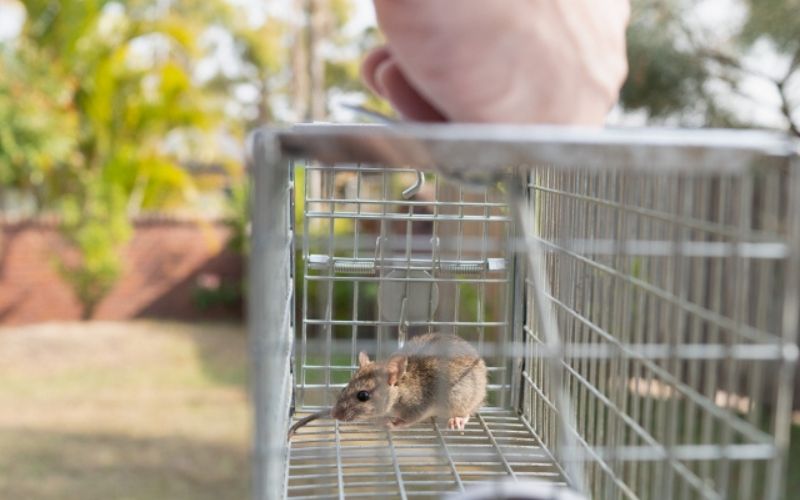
x: 318, y: 31
x: 299, y: 55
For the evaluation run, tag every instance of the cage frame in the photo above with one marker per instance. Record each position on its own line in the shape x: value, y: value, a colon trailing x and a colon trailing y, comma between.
x: 471, y: 154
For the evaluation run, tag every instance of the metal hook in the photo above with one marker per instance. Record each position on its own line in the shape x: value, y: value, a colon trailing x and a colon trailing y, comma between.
x: 402, y: 327
x: 380, y: 117
x: 435, y: 254
x: 413, y: 190
x: 379, y: 252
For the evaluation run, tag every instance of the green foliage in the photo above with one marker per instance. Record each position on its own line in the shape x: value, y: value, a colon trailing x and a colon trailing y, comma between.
x: 95, y: 95
x: 238, y: 218
x: 38, y: 126
x: 343, y: 75
x: 662, y: 77
x: 684, y: 74
x: 114, y: 79
x: 94, y: 223
x: 263, y: 47
x: 778, y: 20
x: 341, y: 10
x: 88, y: 94
x: 225, y: 295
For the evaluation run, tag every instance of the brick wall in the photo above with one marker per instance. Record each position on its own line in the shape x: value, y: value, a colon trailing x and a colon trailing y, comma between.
x: 162, y: 264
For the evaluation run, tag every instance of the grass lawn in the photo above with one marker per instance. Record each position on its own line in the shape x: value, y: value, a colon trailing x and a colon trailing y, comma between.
x: 139, y: 410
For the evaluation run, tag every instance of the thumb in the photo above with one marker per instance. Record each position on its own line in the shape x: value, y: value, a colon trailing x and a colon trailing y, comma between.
x: 403, y: 96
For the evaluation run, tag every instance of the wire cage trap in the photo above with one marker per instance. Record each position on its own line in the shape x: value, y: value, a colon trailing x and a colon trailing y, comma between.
x: 634, y: 295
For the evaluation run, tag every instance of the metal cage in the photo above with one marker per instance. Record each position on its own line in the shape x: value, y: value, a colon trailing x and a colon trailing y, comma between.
x: 634, y: 293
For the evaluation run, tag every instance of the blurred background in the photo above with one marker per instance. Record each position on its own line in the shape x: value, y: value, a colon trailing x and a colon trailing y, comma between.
x: 123, y: 196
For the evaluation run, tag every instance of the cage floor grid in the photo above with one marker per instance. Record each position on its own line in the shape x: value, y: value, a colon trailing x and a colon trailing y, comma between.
x: 330, y: 459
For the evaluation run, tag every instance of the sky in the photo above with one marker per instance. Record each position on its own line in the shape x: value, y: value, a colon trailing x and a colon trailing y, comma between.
x: 11, y: 17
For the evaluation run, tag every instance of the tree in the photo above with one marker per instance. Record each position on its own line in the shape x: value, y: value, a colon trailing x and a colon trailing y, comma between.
x: 325, y: 58
x: 102, y: 101
x: 687, y: 73
x: 94, y: 223
x: 38, y: 125
x: 94, y: 89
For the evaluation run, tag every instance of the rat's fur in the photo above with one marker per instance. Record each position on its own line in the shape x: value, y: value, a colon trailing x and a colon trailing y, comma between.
x: 434, y: 375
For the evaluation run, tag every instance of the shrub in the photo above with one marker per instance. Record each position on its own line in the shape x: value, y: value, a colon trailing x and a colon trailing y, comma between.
x: 95, y: 224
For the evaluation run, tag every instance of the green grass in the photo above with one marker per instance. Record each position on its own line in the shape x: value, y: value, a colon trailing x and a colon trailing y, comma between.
x: 142, y: 410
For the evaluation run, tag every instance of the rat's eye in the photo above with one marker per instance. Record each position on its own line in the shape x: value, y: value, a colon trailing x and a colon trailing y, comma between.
x: 363, y: 396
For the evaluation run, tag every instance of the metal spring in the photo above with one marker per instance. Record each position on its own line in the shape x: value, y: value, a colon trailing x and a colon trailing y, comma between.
x: 370, y: 267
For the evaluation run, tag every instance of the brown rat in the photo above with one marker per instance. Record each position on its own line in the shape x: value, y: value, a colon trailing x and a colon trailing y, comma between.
x: 434, y: 375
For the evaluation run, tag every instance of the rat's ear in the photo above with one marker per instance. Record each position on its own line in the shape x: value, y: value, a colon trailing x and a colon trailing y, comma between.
x: 396, y: 367
x: 363, y: 359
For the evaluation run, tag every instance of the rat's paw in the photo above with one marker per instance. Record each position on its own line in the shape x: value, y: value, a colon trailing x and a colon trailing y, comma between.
x: 459, y: 423
x: 395, y: 423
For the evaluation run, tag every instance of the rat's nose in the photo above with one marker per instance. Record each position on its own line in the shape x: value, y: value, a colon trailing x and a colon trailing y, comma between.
x: 337, y: 413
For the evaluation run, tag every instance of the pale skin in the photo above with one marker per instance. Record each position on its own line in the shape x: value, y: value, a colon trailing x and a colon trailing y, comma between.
x: 514, y: 61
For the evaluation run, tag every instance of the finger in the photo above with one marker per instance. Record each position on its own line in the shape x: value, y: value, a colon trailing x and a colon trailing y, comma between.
x: 370, y: 65
x: 405, y: 99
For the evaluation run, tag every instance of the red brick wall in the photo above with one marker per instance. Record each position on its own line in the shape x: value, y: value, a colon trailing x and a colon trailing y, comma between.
x: 162, y: 263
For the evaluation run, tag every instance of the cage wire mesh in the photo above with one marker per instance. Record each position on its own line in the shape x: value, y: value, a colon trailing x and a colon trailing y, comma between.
x: 634, y: 296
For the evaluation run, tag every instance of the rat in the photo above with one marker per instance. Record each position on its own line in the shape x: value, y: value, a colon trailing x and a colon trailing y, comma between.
x: 433, y: 375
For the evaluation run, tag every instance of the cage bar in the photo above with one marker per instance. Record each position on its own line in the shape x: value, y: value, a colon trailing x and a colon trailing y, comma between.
x: 634, y: 293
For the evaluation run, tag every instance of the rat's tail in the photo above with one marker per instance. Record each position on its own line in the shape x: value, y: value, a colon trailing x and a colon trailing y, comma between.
x: 309, y: 418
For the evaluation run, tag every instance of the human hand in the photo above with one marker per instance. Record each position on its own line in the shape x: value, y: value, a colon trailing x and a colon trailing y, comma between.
x: 525, y: 61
